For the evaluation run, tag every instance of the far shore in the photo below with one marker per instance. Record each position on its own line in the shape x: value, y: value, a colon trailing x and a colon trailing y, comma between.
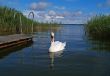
x: 72, y: 24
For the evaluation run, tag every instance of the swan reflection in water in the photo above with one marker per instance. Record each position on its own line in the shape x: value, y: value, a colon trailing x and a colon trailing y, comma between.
x: 54, y: 55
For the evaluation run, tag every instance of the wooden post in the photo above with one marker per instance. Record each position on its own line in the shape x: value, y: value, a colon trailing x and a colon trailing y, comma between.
x: 20, y: 25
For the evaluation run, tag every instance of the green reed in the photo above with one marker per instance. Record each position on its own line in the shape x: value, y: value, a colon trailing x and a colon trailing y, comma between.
x: 99, y: 27
x: 10, y: 22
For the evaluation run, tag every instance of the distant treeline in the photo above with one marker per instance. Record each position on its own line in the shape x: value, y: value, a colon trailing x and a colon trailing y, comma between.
x: 11, y: 22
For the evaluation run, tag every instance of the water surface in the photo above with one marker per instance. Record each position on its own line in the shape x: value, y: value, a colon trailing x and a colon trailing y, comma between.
x: 82, y: 56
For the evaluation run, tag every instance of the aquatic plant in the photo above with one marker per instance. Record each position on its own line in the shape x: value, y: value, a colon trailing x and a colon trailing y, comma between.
x: 99, y: 27
x: 12, y: 21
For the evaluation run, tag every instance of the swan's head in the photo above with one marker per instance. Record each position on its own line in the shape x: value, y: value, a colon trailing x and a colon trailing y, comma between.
x: 52, y: 34
x: 52, y: 37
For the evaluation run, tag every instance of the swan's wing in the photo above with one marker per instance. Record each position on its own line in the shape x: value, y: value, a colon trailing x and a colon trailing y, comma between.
x: 64, y: 44
x: 57, y: 46
x: 60, y: 45
x: 57, y: 42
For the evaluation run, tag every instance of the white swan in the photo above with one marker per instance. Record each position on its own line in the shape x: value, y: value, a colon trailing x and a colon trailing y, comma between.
x: 56, y: 45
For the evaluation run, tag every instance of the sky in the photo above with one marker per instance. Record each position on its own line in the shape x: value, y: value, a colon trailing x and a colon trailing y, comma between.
x: 61, y: 11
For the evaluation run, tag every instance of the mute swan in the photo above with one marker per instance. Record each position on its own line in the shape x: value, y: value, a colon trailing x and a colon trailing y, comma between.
x: 56, y: 45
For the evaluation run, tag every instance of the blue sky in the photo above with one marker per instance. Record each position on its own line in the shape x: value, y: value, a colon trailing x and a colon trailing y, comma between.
x: 65, y: 11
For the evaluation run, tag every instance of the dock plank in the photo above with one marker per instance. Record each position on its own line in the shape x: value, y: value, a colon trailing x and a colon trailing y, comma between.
x: 9, y: 39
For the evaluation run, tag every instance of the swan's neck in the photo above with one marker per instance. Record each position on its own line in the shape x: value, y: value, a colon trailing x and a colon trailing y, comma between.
x: 52, y: 39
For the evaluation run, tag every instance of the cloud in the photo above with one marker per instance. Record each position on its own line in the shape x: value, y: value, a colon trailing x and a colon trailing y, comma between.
x: 105, y: 4
x: 108, y: 2
x: 68, y: 17
x: 72, y: 14
x: 99, y: 5
x: 40, y: 6
x: 59, y: 17
x: 52, y: 13
x: 9, y: 2
x: 60, y: 7
x: 77, y: 13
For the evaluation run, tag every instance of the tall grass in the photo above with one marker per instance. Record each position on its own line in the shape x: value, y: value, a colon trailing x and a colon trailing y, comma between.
x: 99, y: 27
x: 10, y: 22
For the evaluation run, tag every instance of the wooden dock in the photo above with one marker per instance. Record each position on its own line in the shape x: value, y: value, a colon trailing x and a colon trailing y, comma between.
x: 13, y: 40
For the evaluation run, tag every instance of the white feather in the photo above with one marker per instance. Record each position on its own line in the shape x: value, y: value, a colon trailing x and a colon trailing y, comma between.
x: 57, y: 46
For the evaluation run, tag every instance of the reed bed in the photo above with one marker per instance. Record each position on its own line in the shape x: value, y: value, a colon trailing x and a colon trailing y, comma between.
x: 99, y: 27
x: 10, y: 23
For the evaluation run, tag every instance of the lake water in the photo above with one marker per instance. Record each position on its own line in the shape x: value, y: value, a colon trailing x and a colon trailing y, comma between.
x: 82, y: 56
